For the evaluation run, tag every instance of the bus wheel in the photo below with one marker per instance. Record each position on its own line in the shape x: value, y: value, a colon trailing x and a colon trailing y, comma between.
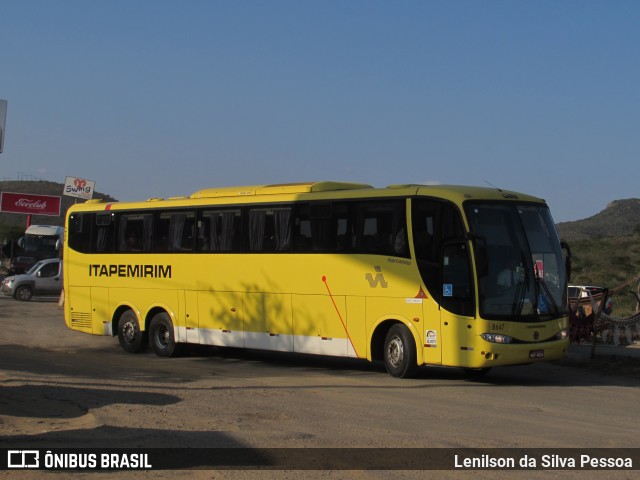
x: 23, y: 293
x: 400, y: 352
x: 162, y: 337
x: 132, y: 339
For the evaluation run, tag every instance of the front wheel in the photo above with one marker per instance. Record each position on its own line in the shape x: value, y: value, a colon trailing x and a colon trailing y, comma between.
x: 162, y: 336
x: 23, y: 293
x: 132, y: 339
x: 400, y: 352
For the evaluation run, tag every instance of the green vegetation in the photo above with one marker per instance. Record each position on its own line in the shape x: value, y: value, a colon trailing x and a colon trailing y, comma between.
x: 612, y: 262
x: 10, y: 232
x: 606, y: 251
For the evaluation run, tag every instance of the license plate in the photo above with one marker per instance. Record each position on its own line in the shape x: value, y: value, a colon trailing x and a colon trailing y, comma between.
x: 536, y: 354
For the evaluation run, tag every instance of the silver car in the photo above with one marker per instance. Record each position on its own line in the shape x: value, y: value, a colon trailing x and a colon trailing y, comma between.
x: 44, y: 278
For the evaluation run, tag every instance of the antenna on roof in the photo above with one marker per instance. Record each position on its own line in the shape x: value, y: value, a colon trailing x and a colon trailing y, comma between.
x: 489, y: 183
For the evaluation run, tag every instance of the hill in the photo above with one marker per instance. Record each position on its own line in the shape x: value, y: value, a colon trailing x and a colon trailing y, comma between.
x: 606, y: 251
x: 40, y: 187
x: 621, y: 217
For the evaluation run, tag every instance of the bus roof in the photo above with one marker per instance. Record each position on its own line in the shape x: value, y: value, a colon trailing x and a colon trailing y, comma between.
x: 50, y: 230
x: 278, y: 188
x: 324, y: 190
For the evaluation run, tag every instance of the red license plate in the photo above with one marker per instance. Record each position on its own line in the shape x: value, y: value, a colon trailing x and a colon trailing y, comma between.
x: 536, y: 353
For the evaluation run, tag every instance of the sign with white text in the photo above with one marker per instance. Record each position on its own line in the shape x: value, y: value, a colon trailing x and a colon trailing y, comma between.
x: 30, y: 204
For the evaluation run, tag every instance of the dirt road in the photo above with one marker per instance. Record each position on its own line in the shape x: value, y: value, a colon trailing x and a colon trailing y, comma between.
x: 60, y: 388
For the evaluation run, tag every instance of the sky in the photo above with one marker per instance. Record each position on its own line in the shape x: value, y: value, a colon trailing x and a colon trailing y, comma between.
x: 161, y: 98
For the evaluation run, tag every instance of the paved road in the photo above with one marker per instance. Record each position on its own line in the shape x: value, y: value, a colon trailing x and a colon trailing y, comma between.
x: 60, y: 388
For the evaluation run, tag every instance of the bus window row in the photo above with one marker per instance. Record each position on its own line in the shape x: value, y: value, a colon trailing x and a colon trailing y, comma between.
x: 377, y: 227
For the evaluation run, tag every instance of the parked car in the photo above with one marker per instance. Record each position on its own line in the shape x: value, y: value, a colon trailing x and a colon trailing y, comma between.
x: 583, y: 291
x: 44, y: 278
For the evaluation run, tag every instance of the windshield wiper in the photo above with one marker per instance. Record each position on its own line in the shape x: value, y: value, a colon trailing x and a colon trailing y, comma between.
x: 521, y: 290
x: 541, y: 283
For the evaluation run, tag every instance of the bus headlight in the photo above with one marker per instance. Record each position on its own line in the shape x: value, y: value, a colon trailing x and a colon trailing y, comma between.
x: 561, y: 335
x: 496, y: 338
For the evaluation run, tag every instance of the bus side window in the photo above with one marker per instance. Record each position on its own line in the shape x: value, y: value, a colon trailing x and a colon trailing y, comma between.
x: 80, y: 232
x: 456, y: 279
x: 425, y: 218
x: 342, y: 224
x: 135, y: 232
x: 103, y: 232
x: 303, y: 241
x: 442, y: 255
x: 219, y: 231
x: 174, y: 232
x: 162, y: 225
x: 270, y: 229
x: 323, y: 228
x: 382, y: 228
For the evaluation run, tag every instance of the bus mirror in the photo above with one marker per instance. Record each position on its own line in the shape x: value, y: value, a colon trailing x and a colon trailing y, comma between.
x: 58, y: 245
x: 567, y: 259
x: 21, y: 242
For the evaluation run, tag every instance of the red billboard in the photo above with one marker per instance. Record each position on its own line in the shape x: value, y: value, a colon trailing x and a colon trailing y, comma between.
x: 30, y: 203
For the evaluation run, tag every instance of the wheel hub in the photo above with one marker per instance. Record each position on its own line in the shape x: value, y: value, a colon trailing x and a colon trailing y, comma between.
x: 163, y: 338
x: 129, y: 332
x: 395, y: 352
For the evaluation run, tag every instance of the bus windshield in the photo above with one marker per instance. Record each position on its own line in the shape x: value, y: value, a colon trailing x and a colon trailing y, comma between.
x: 520, y: 264
x: 41, y: 246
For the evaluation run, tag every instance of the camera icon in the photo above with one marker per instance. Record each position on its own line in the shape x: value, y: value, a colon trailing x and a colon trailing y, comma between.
x: 23, y: 459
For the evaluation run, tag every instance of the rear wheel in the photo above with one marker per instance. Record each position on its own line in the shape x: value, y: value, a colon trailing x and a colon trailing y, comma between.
x: 23, y: 293
x: 400, y: 352
x: 131, y: 338
x: 162, y: 336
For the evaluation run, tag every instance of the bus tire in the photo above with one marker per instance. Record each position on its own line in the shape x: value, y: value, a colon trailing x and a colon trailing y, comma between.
x: 23, y: 293
x: 162, y: 336
x: 132, y: 339
x: 400, y: 352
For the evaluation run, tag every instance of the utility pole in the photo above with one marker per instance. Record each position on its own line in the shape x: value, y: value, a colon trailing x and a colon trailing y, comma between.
x: 3, y: 121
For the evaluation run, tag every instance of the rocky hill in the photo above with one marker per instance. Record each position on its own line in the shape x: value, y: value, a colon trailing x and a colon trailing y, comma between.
x: 621, y: 217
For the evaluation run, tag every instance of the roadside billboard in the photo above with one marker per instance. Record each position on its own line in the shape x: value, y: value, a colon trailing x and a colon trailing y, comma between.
x: 30, y: 204
x: 79, y: 188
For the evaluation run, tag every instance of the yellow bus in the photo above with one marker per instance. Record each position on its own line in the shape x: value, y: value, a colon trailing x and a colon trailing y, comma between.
x: 409, y: 275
